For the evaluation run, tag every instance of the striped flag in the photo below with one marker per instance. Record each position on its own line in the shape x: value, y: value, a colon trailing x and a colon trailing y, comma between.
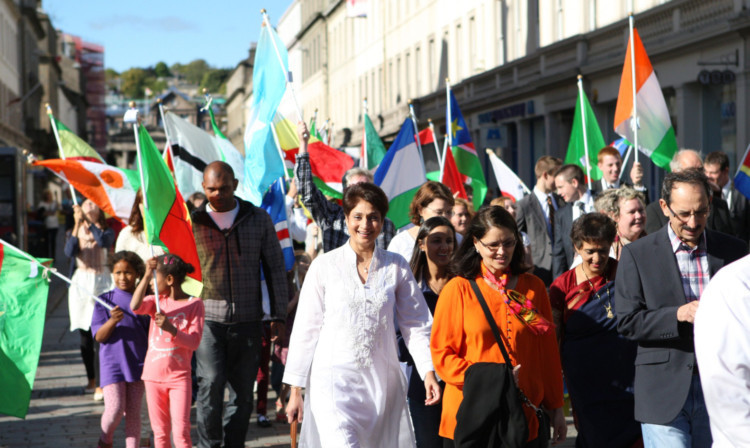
x: 656, y: 136
x: 166, y: 219
x: 451, y: 177
x: 112, y: 189
x: 273, y: 203
x: 742, y: 178
x: 401, y: 173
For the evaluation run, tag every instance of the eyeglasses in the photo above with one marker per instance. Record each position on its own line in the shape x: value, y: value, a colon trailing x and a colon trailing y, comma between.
x: 494, y: 247
x: 685, y: 216
x: 443, y: 213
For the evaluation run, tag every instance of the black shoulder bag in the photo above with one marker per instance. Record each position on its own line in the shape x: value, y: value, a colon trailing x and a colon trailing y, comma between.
x: 544, y: 423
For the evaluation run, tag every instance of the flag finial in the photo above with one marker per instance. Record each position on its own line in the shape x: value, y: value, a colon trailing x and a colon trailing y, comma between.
x: 429, y: 120
x: 131, y: 104
x: 408, y: 101
x: 158, y: 101
x: 580, y: 76
x: 262, y: 10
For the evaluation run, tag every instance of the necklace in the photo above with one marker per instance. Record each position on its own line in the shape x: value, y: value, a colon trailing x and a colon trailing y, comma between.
x: 607, y: 306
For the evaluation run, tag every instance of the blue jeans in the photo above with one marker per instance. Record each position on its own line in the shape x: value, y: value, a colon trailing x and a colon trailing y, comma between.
x: 228, y: 355
x: 690, y: 429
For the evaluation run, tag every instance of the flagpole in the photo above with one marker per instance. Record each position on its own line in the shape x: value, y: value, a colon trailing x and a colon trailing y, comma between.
x: 435, y: 143
x: 55, y: 273
x: 449, y: 122
x: 60, y: 148
x: 635, y: 100
x: 625, y: 161
x: 280, y: 150
x: 287, y: 74
x: 416, y: 135
x: 585, y: 136
x: 329, y: 134
x: 363, y: 160
x: 446, y: 142
x: 135, y: 120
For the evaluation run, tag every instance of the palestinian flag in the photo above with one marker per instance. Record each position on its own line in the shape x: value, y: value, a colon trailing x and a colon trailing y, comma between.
x: 112, y: 189
x: 23, y: 304
x: 73, y: 146
x: 166, y: 218
x: 328, y: 164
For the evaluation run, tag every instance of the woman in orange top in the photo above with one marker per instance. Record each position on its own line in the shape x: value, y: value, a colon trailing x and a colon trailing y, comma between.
x: 462, y: 336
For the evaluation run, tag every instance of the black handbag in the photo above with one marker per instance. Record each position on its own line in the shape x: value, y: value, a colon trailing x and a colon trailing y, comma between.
x: 542, y: 441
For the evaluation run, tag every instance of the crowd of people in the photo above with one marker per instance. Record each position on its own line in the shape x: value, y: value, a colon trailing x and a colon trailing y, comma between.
x: 466, y: 328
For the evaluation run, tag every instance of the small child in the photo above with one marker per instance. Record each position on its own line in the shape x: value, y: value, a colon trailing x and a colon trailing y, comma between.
x: 123, y: 339
x: 175, y: 333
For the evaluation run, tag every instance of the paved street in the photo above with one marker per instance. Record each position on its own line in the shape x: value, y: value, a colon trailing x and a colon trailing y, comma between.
x: 61, y: 415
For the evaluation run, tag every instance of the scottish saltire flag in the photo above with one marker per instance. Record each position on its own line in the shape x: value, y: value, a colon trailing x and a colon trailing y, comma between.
x: 742, y: 178
x: 656, y: 136
x: 401, y: 173
x: 273, y: 203
x: 262, y: 162
x: 464, y: 153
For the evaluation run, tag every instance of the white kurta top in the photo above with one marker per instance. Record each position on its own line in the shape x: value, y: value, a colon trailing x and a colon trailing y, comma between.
x: 343, y: 349
x: 722, y: 348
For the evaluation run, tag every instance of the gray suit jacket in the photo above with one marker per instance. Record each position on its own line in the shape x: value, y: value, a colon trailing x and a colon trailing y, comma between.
x: 562, y: 250
x: 648, y: 292
x: 530, y: 219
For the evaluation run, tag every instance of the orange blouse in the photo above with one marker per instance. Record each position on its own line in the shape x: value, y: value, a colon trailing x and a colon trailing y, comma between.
x: 462, y: 336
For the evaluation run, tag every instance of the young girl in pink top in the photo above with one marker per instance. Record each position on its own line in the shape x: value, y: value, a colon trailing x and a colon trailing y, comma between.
x: 174, y: 335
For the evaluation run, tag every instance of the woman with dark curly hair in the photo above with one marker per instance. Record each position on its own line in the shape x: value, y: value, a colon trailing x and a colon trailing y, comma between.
x: 598, y: 363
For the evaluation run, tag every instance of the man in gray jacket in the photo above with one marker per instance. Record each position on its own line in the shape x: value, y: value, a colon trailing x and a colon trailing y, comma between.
x: 234, y: 240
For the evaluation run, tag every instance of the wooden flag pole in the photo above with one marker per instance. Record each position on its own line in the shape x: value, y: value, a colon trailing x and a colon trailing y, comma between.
x: 585, y: 136
x: 60, y: 148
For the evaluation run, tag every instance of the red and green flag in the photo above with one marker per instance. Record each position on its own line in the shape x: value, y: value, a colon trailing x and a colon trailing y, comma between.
x: 464, y: 153
x: 167, y: 221
x: 373, y: 149
x: 73, y: 146
x: 23, y: 304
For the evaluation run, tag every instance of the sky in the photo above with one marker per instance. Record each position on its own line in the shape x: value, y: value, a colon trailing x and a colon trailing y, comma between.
x: 140, y: 33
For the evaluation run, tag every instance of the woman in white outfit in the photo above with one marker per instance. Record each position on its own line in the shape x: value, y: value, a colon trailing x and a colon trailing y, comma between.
x: 343, y: 344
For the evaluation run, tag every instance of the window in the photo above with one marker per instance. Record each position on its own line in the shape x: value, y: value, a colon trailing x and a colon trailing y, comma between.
x: 417, y: 71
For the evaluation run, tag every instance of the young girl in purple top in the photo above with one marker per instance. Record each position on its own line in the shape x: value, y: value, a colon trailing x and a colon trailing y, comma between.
x: 123, y: 339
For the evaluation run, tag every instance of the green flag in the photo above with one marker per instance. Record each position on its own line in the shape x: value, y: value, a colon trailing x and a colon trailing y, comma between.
x: 373, y: 149
x: 576, y: 149
x: 23, y: 303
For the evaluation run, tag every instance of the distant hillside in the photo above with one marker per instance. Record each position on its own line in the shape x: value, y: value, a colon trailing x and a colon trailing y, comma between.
x: 132, y: 83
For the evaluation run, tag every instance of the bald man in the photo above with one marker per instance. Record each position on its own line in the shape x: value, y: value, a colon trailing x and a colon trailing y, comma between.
x: 234, y: 239
x: 718, y: 219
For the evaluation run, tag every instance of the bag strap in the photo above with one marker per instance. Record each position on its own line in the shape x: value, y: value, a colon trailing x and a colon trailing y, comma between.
x: 491, y: 321
x: 501, y: 343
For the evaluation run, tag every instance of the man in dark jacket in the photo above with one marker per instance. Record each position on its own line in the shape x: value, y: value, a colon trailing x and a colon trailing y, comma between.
x: 234, y: 240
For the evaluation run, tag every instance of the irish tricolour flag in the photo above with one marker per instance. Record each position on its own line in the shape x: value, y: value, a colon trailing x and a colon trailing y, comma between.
x: 655, y: 132
x: 401, y: 173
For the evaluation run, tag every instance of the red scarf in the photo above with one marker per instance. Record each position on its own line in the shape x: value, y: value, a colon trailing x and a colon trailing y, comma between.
x: 517, y: 303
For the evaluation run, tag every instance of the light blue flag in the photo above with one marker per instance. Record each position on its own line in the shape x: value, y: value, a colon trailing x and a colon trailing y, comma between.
x: 263, y: 164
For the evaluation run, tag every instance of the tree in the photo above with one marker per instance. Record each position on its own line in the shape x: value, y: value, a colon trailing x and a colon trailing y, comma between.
x: 133, y: 82
x: 111, y: 78
x: 214, y: 80
x: 195, y: 70
x: 161, y: 70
